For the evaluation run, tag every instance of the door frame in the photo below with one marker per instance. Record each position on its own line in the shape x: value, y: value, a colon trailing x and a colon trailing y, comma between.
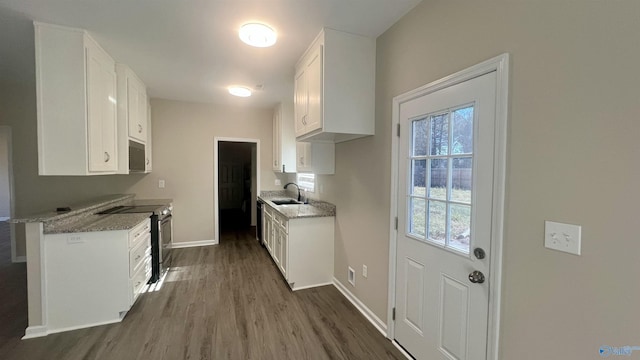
x: 216, y: 203
x: 500, y: 65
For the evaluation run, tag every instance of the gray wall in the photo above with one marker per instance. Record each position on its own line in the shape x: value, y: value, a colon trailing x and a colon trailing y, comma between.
x: 573, y: 148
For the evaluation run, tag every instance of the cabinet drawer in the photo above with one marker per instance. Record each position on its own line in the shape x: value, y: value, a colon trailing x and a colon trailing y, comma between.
x: 140, y: 279
x: 138, y: 233
x: 140, y: 254
x: 283, y: 222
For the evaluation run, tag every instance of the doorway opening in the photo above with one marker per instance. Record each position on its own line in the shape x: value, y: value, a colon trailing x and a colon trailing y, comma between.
x: 7, y: 231
x: 236, y: 186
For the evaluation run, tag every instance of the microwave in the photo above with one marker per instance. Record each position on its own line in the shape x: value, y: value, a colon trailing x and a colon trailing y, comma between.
x: 137, y: 158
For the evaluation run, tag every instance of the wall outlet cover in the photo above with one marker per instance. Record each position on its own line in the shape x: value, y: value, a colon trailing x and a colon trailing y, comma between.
x: 351, y: 276
x: 364, y: 271
x: 278, y: 182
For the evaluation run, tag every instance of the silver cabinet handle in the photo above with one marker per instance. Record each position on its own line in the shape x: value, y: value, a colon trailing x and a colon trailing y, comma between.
x: 147, y: 161
x: 139, y: 128
x: 137, y: 258
x: 107, y: 157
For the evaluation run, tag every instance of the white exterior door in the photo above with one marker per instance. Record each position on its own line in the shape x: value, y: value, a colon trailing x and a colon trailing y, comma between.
x: 445, y: 193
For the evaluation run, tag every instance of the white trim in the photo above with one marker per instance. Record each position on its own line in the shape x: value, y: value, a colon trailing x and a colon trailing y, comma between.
x: 373, y: 319
x: 216, y: 140
x: 402, y: 350
x: 35, y: 332
x: 500, y: 65
x: 188, y: 244
x: 85, y: 326
x: 311, y: 286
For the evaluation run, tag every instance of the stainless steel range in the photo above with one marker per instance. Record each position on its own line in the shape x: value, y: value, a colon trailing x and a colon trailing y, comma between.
x: 161, y: 234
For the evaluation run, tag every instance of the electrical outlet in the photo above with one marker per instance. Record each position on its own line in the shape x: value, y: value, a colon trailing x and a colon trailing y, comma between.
x: 278, y: 182
x: 364, y: 270
x: 161, y: 184
x: 351, y: 276
x: 562, y: 237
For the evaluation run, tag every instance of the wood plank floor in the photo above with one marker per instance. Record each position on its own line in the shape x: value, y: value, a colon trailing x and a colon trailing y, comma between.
x: 218, y: 302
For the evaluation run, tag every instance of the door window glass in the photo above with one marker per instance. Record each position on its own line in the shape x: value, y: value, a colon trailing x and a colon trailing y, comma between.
x: 442, y: 178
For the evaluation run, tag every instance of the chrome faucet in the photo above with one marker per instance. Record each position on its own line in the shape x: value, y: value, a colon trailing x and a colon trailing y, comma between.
x: 285, y: 187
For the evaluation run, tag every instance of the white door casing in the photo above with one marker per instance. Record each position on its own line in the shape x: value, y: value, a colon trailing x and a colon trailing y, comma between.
x: 440, y: 313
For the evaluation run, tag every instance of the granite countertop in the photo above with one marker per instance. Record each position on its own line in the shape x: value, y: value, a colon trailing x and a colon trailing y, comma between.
x: 83, y: 218
x: 77, y: 209
x: 315, y: 208
x: 96, y: 223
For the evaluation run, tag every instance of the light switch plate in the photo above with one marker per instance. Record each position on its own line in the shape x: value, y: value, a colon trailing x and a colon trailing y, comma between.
x: 562, y: 237
x: 161, y: 184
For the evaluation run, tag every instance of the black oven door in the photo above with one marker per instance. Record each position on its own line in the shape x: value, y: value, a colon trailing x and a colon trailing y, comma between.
x: 166, y: 233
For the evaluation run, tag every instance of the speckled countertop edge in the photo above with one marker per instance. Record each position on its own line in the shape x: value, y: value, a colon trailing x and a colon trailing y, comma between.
x: 80, y: 209
x: 93, y: 223
x: 315, y: 208
x: 83, y: 217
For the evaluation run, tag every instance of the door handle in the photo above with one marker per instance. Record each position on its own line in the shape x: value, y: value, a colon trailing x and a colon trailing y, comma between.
x: 476, y: 277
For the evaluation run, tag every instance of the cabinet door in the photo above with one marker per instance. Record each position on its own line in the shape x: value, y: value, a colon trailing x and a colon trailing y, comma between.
x: 267, y: 232
x: 101, y: 110
x: 277, y: 141
x: 284, y: 239
x: 147, y: 149
x: 313, y: 78
x: 303, y: 157
x: 137, y: 109
x: 301, y: 97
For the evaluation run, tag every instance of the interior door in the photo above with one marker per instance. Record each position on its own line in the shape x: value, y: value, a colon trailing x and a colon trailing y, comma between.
x: 231, y: 182
x: 444, y: 216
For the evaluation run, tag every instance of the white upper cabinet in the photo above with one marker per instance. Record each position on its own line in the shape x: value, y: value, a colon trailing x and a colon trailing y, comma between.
x: 76, y: 103
x: 317, y: 158
x: 133, y: 116
x: 149, y: 160
x: 284, y: 139
x: 335, y: 88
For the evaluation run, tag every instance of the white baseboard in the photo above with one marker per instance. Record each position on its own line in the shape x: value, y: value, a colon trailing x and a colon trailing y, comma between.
x: 19, y: 259
x: 311, y: 286
x: 402, y: 350
x: 379, y: 324
x: 34, y: 332
x: 188, y: 244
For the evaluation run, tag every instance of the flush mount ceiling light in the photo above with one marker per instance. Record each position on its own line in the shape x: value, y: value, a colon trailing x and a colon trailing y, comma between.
x: 240, y: 91
x: 258, y: 35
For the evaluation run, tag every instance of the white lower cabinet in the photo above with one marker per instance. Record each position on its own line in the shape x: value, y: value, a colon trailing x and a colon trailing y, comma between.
x: 94, y: 278
x: 301, y: 248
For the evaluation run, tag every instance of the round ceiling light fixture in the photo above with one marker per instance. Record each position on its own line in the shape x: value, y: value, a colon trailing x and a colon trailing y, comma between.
x: 240, y: 91
x: 258, y: 35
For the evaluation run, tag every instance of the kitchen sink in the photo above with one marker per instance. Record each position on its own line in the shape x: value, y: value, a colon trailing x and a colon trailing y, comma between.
x: 286, y: 202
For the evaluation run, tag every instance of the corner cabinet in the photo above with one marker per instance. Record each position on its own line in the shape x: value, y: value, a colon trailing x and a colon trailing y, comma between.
x: 301, y: 248
x: 334, y: 92
x: 284, y: 139
x: 76, y: 103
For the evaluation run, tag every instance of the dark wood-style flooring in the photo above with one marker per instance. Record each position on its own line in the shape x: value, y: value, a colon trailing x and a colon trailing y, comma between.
x: 218, y: 302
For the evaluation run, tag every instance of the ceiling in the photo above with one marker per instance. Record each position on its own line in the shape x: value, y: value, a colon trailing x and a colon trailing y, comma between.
x: 189, y: 50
